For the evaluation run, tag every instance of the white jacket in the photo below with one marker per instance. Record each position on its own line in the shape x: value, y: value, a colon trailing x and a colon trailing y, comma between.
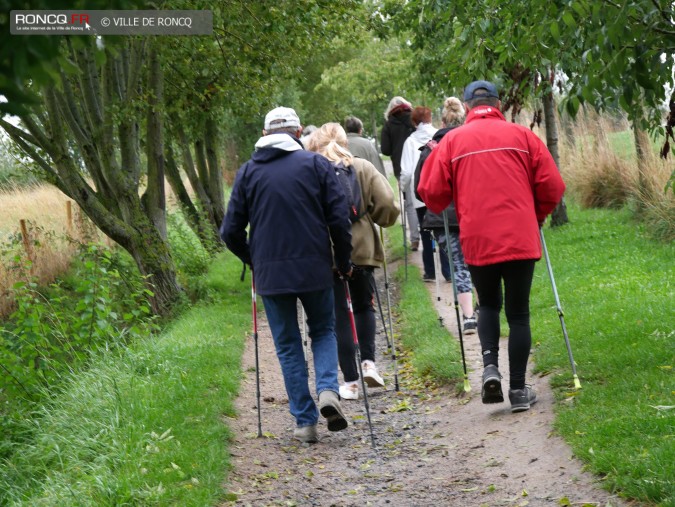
x: 410, y: 157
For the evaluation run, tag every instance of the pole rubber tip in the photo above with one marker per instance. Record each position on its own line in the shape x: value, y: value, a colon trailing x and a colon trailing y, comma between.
x: 577, y: 384
x: 467, y: 386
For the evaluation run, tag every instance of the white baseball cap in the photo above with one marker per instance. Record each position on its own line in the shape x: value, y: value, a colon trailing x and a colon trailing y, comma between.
x: 281, y: 117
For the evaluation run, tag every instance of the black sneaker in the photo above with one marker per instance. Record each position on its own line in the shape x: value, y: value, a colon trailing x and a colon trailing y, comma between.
x: 492, y: 385
x: 470, y: 325
x: 428, y: 278
x: 521, y: 399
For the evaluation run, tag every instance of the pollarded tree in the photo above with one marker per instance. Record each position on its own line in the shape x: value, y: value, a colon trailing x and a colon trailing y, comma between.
x: 86, y: 137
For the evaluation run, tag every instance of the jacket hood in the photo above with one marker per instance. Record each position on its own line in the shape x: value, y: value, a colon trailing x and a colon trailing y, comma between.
x: 423, y: 133
x: 274, y: 146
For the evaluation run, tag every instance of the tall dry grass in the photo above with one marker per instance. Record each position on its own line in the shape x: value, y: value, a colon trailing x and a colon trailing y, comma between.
x: 595, y: 174
x: 51, y: 240
x: 600, y: 167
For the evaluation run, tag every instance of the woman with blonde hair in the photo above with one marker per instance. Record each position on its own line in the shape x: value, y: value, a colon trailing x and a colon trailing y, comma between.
x: 378, y: 207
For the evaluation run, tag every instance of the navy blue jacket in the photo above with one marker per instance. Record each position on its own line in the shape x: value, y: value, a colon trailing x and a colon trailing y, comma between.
x: 296, y: 207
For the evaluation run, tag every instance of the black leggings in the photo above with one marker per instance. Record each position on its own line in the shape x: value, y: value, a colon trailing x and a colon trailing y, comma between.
x: 361, y: 289
x: 517, y: 277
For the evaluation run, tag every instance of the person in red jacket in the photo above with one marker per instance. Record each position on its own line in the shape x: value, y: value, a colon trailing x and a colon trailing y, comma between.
x: 504, y: 183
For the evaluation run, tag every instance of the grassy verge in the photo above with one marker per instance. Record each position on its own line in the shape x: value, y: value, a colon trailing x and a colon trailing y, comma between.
x: 616, y: 289
x: 435, y: 351
x: 146, y: 427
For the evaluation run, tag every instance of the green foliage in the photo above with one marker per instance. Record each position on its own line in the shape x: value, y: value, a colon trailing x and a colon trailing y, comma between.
x: 144, y: 427
x: 188, y: 253
x: 12, y: 175
x: 613, y: 283
x: 54, y: 330
x: 36, y: 58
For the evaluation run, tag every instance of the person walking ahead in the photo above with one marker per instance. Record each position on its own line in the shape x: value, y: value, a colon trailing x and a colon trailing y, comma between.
x: 504, y: 183
x: 296, y: 208
x: 361, y: 147
x: 378, y: 206
x: 397, y: 127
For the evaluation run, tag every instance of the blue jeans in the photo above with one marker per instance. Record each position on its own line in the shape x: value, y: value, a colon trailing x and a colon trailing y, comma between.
x: 282, y: 315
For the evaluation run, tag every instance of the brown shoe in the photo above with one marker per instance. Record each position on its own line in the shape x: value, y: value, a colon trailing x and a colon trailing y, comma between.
x: 329, y: 406
x: 414, y: 246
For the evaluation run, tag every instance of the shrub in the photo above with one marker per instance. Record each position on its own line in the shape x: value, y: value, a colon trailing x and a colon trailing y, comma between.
x: 54, y: 330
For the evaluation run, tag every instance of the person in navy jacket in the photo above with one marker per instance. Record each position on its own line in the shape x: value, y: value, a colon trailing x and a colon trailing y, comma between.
x: 504, y: 183
x: 299, y: 229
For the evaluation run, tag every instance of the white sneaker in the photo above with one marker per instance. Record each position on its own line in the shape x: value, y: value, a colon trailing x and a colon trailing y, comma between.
x: 349, y: 391
x: 370, y: 375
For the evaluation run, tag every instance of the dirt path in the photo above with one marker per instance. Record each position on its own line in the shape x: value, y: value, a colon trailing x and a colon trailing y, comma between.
x: 433, y: 447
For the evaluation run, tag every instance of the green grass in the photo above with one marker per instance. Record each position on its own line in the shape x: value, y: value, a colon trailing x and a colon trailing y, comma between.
x: 616, y: 289
x: 435, y: 351
x: 146, y: 427
x: 623, y: 144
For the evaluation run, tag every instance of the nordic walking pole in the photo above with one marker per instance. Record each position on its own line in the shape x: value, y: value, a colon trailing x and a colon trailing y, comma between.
x: 401, y: 203
x: 577, y: 383
x: 257, y: 360
x: 379, y: 305
x: 467, y: 386
x: 304, y: 338
x: 437, y: 268
x: 357, y: 348
x: 391, y: 328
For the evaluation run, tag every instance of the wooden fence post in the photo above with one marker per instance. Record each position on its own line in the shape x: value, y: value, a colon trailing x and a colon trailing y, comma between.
x: 69, y: 218
x: 27, y: 246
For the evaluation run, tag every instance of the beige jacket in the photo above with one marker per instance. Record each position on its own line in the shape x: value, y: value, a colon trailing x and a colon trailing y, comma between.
x: 382, y: 209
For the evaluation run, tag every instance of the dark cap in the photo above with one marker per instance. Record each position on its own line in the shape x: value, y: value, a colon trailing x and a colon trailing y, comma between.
x: 470, y: 91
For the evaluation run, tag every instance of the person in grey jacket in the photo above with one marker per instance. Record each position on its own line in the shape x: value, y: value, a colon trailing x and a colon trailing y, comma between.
x: 361, y: 147
x: 297, y: 210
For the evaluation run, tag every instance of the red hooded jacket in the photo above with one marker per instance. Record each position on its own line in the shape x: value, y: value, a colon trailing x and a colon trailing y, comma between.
x: 503, y: 182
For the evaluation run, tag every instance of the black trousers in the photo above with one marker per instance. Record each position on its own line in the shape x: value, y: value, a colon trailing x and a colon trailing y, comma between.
x: 361, y: 289
x: 517, y: 280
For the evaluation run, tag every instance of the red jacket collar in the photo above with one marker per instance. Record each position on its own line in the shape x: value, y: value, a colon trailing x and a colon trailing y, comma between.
x: 484, y: 112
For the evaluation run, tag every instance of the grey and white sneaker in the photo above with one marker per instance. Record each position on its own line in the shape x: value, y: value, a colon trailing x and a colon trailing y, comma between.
x: 330, y: 408
x: 491, y: 391
x: 522, y: 399
x: 307, y: 434
x: 470, y: 324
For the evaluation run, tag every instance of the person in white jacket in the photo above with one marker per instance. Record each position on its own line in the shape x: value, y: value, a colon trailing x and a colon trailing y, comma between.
x: 421, y: 119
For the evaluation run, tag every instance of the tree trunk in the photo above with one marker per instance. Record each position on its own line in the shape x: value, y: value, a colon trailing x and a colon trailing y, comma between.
x: 215, y: 182
x: 374, y: 123
x: 643, y: 151
x: 154, y: 199
x: 153, y: 258
x: 195, y: 181
x: 559, y: 215
x: 207, y: 235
